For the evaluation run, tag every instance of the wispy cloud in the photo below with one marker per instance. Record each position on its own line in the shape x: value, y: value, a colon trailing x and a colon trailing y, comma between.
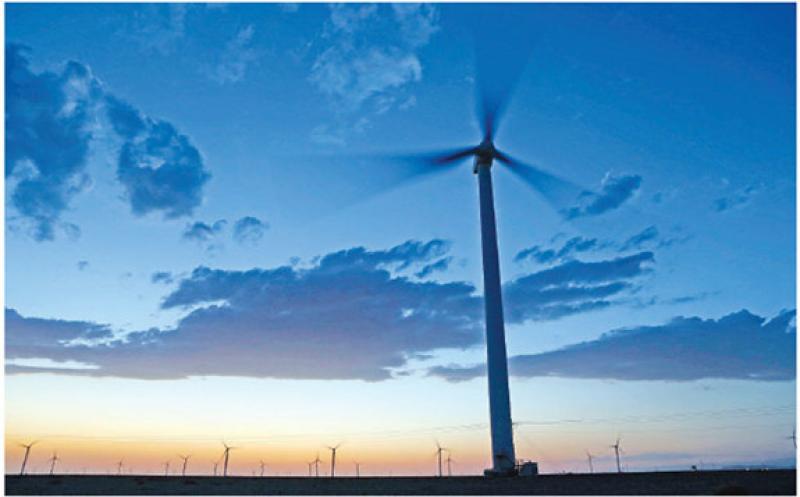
x: 202, y: 232
x: 158, y: 27
x: 369, y: 59
x: 237, y: 55
x: 164, y: 277
x: 736, y: 199
x: 737, y: 346
x: 614, y: 191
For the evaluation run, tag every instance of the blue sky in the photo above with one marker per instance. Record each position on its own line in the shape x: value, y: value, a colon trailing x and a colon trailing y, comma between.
x: 201, y: 194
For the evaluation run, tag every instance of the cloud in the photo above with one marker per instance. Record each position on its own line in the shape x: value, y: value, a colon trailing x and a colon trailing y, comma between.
x: 572, y: 287
x: 82, y: 265
x: 48, y: 131
x: 739, y: 346
x: 201, y: 232
x: 614, y: 191
x: 161, y: 170
x: 636, y: 241
x: 235, y: 58
x: 162, y: 277
x: 572, y: 246
x: 51, y: 119
x: 369, y: 61
x: 737, y: 199
x: 249, y: 229
x: 350, y: 314
x: 159, y: 27
x: 436, y: 266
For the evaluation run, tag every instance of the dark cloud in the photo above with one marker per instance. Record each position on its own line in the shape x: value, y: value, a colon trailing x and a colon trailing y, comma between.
x: 355, y: 313
x: 639, y: 239
x: 162, y: 277
x: 161, y: 170
x: 736, y: 199
x: 83, y: 265
x: 47, y: 138
x: 49, y: 121
x: 249, y: 229
x: 436, y: 266
x: 572, y: 246
x: 202, y: 232
x: 35, y: 337
x: 737, y: 346
x: 614, y: 191
x: 572, y: 287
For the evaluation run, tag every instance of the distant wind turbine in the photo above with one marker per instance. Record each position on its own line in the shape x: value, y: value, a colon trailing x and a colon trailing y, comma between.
x: 262, y: 466
x: 794, y: 438
x: 119, y: 466
x: 25, y: 458
x: 358, y: 468
x: 185, y: 462
x: 589, y: 457
x: 226, y: 455
x: 316, y: 465
x: 450, y: 461
x: 53, y: 460
x: 333, y: 458
x: 616, y: 452
x: 439, y: 450
x: 166, y: 468
x: 216, y: 464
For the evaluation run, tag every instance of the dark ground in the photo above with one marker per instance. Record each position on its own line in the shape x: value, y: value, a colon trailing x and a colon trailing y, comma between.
x: 758, y: 482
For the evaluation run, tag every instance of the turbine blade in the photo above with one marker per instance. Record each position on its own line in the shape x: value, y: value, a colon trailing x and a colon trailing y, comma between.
x: 559, y: 192
x: 500, y: 60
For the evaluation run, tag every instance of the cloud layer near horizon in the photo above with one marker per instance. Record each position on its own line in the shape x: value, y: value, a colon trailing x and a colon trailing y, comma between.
x: 740, y: 345
x: 353, y: 314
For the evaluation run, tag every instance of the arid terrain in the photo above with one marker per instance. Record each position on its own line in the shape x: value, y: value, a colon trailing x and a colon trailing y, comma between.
x: 761, y: 482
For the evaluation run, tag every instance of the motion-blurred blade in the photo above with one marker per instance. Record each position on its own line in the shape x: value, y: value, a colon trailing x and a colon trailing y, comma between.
x: 559, y: 192
x: 500, y: 59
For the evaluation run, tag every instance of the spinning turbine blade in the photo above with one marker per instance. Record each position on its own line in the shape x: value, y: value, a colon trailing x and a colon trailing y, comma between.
x: 557, y: 191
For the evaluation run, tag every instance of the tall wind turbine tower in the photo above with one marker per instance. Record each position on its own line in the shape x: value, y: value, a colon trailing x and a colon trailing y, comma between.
x: 449, y: 464
x: 262, y: 466
x: 119, y: 466
x: 358, y: 469
x: 485, y: 155
x: 166, y: 468
x: 25, y: 458
x: 589, y: 457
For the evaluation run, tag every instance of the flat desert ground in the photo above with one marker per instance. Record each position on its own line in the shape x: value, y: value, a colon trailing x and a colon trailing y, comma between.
x: 756, y: 482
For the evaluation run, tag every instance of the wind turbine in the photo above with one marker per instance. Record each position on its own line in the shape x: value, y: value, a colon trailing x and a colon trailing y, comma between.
x: 119, y: 466
x: 484, y: 156
x: 53, y: 460
x: 449, y: 464
x: 262, y: 465
x: 616, y: 452
x: 316, y: 466
x: 333, y: 458
x: 309, y: 464
x: 439, y: 450
x: 794, y: 438
x: 185, y: 462
x: 216, y: 464
x: 226, y: 455
x: 166, y: 468
x: 27, y: 453
x: 589, y: 457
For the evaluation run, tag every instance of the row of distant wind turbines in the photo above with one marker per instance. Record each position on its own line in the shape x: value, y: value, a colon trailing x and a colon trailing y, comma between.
x: 313, y: 466
x: 225, y: 458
